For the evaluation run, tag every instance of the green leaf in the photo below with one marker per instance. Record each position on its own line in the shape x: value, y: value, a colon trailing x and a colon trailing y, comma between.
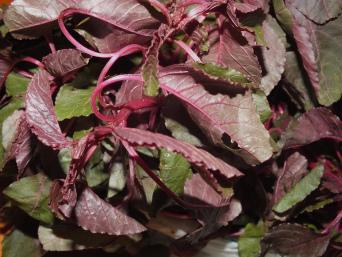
x: 17, y: 244
x: 63, y: 237
x: 16, y: 84
x: 300, y: 190
x: 95, y: 169
x: 181, y: 132
x: 174, y: 170
x: 5, y: 112
x: 117, y: 179
x: 31, y: 194
x: 262, y: 105
x: 249, y: 241
x: 283, y: 15
x: 231, y: 75
x: 298, y: 91
x: 150, y: 76
x: 73, y: 102
x: 13, y: 105
x: 81, y: 133
x: 329, y: 38
x: 64, y: 158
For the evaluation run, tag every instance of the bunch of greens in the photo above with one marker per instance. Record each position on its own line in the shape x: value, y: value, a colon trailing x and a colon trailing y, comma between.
x: 131, y: 125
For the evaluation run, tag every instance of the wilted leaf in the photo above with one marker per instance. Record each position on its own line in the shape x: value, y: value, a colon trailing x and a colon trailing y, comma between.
x: 300, y: 190
x: 31, y: 194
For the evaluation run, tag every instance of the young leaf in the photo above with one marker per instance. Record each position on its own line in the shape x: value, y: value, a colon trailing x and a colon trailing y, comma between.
x: 249, y: 241
x: 18, y: 244
x: 300, y: 190
x: 221, y: 116
x: 194, y: 155
x: 296, y: 241
x: 174, y: 170
x: 40, y: 112
x: 94, y: 214
x: 64, y: 61
x: 31, y: 194
x: 73, y: 102
x: 317, y: 124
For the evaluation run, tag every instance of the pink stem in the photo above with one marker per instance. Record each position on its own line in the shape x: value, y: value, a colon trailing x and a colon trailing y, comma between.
x: 33, y: 61
x: 122, y: 52
x: 162, y: 8
x: 103, y: 85
x: 48, y: 38
x: 72, y: 40
x: 188, y: 50
x: 24, y: 73
x: 332, y: 224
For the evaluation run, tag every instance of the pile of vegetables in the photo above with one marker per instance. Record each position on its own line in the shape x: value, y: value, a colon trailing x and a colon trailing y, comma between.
x: 132, y: 127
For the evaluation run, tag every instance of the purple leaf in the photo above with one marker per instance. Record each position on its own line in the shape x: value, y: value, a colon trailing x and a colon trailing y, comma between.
x: 122, y: 22
x: 220, y: 115
x: 198, y: 191
x: 317, y: 46
x: 5, y: 68
x: 94, y: 214
x: 28, y: 19
x: 294, y: 169
x: 319, y: 11
x: 296, y: 240
x: 316, y: 124
x: 64, y: 61
x: 19, y: 147
x: 230, y: 50
x: 196, y: 156
x: 40, y: 112
x: 274, y: 59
